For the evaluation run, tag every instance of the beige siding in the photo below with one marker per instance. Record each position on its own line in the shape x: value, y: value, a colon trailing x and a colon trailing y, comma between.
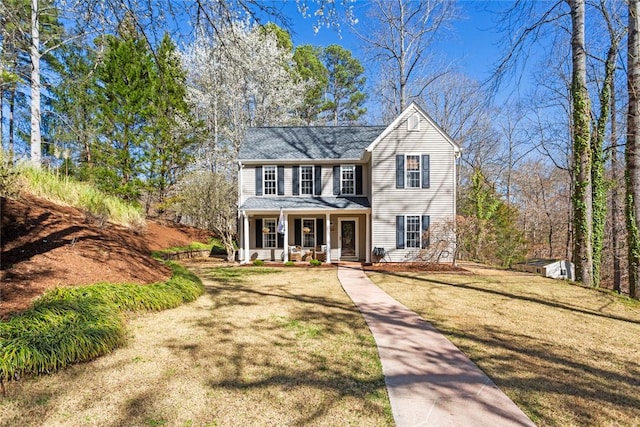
x: 248, y: 182
x: 438, y: 201
x: 248, y: 179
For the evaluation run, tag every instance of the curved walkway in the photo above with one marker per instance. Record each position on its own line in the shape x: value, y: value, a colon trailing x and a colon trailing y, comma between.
x: 429, y: 380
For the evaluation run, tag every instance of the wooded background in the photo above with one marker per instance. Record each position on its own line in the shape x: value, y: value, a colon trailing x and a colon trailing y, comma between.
x: 149, y: 100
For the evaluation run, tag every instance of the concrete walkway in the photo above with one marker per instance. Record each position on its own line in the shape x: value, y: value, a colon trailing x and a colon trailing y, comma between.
x: 429, y: 380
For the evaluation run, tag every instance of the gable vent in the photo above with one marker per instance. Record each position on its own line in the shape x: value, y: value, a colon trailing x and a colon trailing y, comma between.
x: 414, y: 122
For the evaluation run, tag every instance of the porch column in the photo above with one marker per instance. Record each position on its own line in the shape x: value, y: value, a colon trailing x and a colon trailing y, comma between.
x: 327, y: 228
x: 368, y: 233
x: 245, y: 235
x: 286, y: 237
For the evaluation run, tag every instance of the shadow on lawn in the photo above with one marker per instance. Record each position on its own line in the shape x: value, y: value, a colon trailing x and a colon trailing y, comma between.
x: 589, y: 390
x: 548, y: 303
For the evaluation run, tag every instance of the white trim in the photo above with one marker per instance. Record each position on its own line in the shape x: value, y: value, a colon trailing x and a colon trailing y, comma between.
x: 406, y: 169
x: 245, y: 231
x: 315, y: 232
x: 355, y: 185
x: 313, y: 180
x: 285, y: 239
x: 264, y: 181
x: 355, y: 237
x: 327, y: 239
x: 368, y: 238
x: 275, y: 231
x: 413, y: 108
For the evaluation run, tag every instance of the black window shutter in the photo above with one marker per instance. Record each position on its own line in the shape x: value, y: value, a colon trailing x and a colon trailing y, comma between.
x: 280, y: 180
x: 425, y: 171
x: 317, y: 176
x: 296, y: 180
x: 258, y: 180
x: 336, y: 180
x: 358, y: 179
x: 425, y: 228
x: 297, y: 229
x: 280, y: 240
x: 400, y: 171
x: 320, y: 231
x: 258, y: 233
x: 399, y: 232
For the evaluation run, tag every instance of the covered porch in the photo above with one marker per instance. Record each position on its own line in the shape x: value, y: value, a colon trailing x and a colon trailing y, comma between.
x: 299, y: 229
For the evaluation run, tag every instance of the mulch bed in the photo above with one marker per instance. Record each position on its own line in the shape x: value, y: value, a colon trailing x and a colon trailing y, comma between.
x: 405, y: 267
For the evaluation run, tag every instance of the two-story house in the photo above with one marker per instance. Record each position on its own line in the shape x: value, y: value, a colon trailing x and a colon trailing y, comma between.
x: 340, y: 192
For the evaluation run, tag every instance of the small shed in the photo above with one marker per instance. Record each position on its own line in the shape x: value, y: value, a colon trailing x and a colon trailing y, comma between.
x: 554, y: 268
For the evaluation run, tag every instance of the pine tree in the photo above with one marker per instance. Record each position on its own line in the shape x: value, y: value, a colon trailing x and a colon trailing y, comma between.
x: 346, y: 86
x: 123, y: 98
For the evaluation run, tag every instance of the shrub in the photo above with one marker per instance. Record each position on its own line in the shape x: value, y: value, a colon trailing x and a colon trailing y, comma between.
x: 289, y: 264
x: 315, y: 262
x: 258, y: 262
x: 8, y: 177
x: 68, y: 325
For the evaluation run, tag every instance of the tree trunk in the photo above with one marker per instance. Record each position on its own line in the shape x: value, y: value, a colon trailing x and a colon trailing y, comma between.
x: 12, y: 122
x: 633, y: 147
x: 599, y: 186
x: 615, y: 220
x: 36, y: 149
x: 582, y: 201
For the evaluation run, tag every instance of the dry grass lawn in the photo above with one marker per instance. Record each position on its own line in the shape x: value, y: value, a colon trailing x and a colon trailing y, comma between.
x: 278, y: 347
x: 566, y: 355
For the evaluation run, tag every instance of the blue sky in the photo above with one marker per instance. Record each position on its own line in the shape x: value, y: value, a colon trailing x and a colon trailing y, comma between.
x: 472, y: 46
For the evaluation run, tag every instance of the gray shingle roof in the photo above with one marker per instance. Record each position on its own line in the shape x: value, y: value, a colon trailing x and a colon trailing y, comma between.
x: 277, y: 203
x: 307, y: 143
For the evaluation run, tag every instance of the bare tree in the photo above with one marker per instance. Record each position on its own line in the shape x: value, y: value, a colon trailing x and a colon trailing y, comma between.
x: 633, y: 147
x: 398, y: 40
x: 582, y: 197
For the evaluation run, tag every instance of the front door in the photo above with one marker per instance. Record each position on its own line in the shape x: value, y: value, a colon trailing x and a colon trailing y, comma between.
x: 348, y: 243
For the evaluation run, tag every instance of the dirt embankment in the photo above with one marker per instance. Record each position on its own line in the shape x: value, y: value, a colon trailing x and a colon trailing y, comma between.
x: 44, y: 245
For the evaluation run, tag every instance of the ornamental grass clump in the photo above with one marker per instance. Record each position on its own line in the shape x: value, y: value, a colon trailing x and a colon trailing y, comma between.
x: 76, y: 324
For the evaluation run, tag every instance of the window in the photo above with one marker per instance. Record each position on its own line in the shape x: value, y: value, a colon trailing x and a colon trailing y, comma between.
x: 413, y: 123
x: 269, y: 238
x: 348, y: 180
x: 412, y: 238
x: 306, y: 180
x: 269, y: 180
x: 413, y: 171
x: 308, y: 233
x: 412, y: 231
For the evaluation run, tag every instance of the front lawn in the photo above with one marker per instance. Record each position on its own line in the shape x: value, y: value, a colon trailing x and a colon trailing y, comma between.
x: 566, y: 355
x: 263, y: 346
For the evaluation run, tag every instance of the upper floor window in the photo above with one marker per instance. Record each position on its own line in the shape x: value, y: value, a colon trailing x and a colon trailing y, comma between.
x: 269, y: 180
x: 413, y: 171
x: 306, y: 180
x: 269, y: 238
x: 348, y: 180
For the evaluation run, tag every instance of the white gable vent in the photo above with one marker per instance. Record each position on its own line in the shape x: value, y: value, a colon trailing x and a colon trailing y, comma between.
x: 414, y: 122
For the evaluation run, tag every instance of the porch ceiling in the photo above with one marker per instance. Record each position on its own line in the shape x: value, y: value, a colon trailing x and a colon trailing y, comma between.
x: 305, y: 203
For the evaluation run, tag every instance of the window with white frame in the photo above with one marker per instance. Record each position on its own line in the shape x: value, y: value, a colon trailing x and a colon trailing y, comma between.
x: 413, y: 171
x: 308, y: 233
x: 306, y: 180
x: 348, y: 180
x: 269, y: 236
x: 269, y: 180
x: 412, y: 231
